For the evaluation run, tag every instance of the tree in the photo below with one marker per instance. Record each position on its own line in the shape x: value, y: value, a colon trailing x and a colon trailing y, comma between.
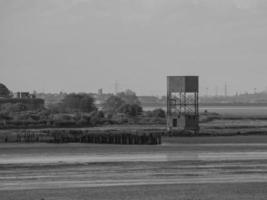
x: 156, y: 113
x: 129, y: 97
x: 113, y: 104
x: 78, y: 103
x: 131, y: 110
x: 125, y: 102
x: 87, y: 104
x: 4, y: 91
x: 11, y: 108
x: 159, y: 113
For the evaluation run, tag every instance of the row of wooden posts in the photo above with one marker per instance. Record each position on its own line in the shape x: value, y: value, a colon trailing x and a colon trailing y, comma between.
x: 97, y: 138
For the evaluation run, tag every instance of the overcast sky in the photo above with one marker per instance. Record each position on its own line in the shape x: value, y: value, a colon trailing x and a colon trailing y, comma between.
x: 83, y: 45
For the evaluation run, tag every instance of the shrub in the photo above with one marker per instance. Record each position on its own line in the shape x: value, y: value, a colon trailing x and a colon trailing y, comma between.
x: 157, y: 113
x: 113, y: 104
x: 78, y: 103
x: 131, y: 110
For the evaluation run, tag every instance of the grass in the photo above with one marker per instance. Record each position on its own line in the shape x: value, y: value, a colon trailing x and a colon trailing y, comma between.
x: 211, y: 125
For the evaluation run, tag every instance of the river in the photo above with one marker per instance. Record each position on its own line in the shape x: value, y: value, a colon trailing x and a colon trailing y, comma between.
x: 232, y: 110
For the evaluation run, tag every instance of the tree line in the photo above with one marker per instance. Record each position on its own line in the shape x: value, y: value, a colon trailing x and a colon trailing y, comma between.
x: 81, y: 110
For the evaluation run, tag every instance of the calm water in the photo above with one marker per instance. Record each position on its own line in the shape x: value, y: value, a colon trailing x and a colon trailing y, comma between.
x: 233, y: 110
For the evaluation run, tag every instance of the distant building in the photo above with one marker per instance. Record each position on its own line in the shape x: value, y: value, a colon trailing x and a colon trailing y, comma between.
x: 25, y: 98
x: 25, y: 95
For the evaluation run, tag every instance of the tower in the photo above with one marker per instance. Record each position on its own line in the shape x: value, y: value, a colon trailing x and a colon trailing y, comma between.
x: 182, y: 103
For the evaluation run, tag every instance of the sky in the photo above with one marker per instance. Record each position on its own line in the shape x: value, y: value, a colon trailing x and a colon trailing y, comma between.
x: 84, y: 45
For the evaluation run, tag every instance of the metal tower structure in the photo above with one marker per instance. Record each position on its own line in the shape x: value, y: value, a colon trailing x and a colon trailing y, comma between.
x: 183, y: 103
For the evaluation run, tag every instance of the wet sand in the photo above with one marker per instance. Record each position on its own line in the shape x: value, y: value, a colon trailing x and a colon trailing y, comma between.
x: 235, y: 170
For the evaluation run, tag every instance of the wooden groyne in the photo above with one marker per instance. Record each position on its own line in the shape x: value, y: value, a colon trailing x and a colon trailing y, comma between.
x: 86, y: 136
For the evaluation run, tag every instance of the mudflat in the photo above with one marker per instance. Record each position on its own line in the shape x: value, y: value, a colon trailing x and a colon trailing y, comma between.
x: 233, y: 167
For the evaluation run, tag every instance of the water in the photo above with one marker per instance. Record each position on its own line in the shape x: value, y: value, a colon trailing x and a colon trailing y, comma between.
x: 232, y: 110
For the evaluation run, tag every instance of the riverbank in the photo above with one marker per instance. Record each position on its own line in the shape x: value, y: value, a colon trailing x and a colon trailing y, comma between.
x: 211, y: 124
